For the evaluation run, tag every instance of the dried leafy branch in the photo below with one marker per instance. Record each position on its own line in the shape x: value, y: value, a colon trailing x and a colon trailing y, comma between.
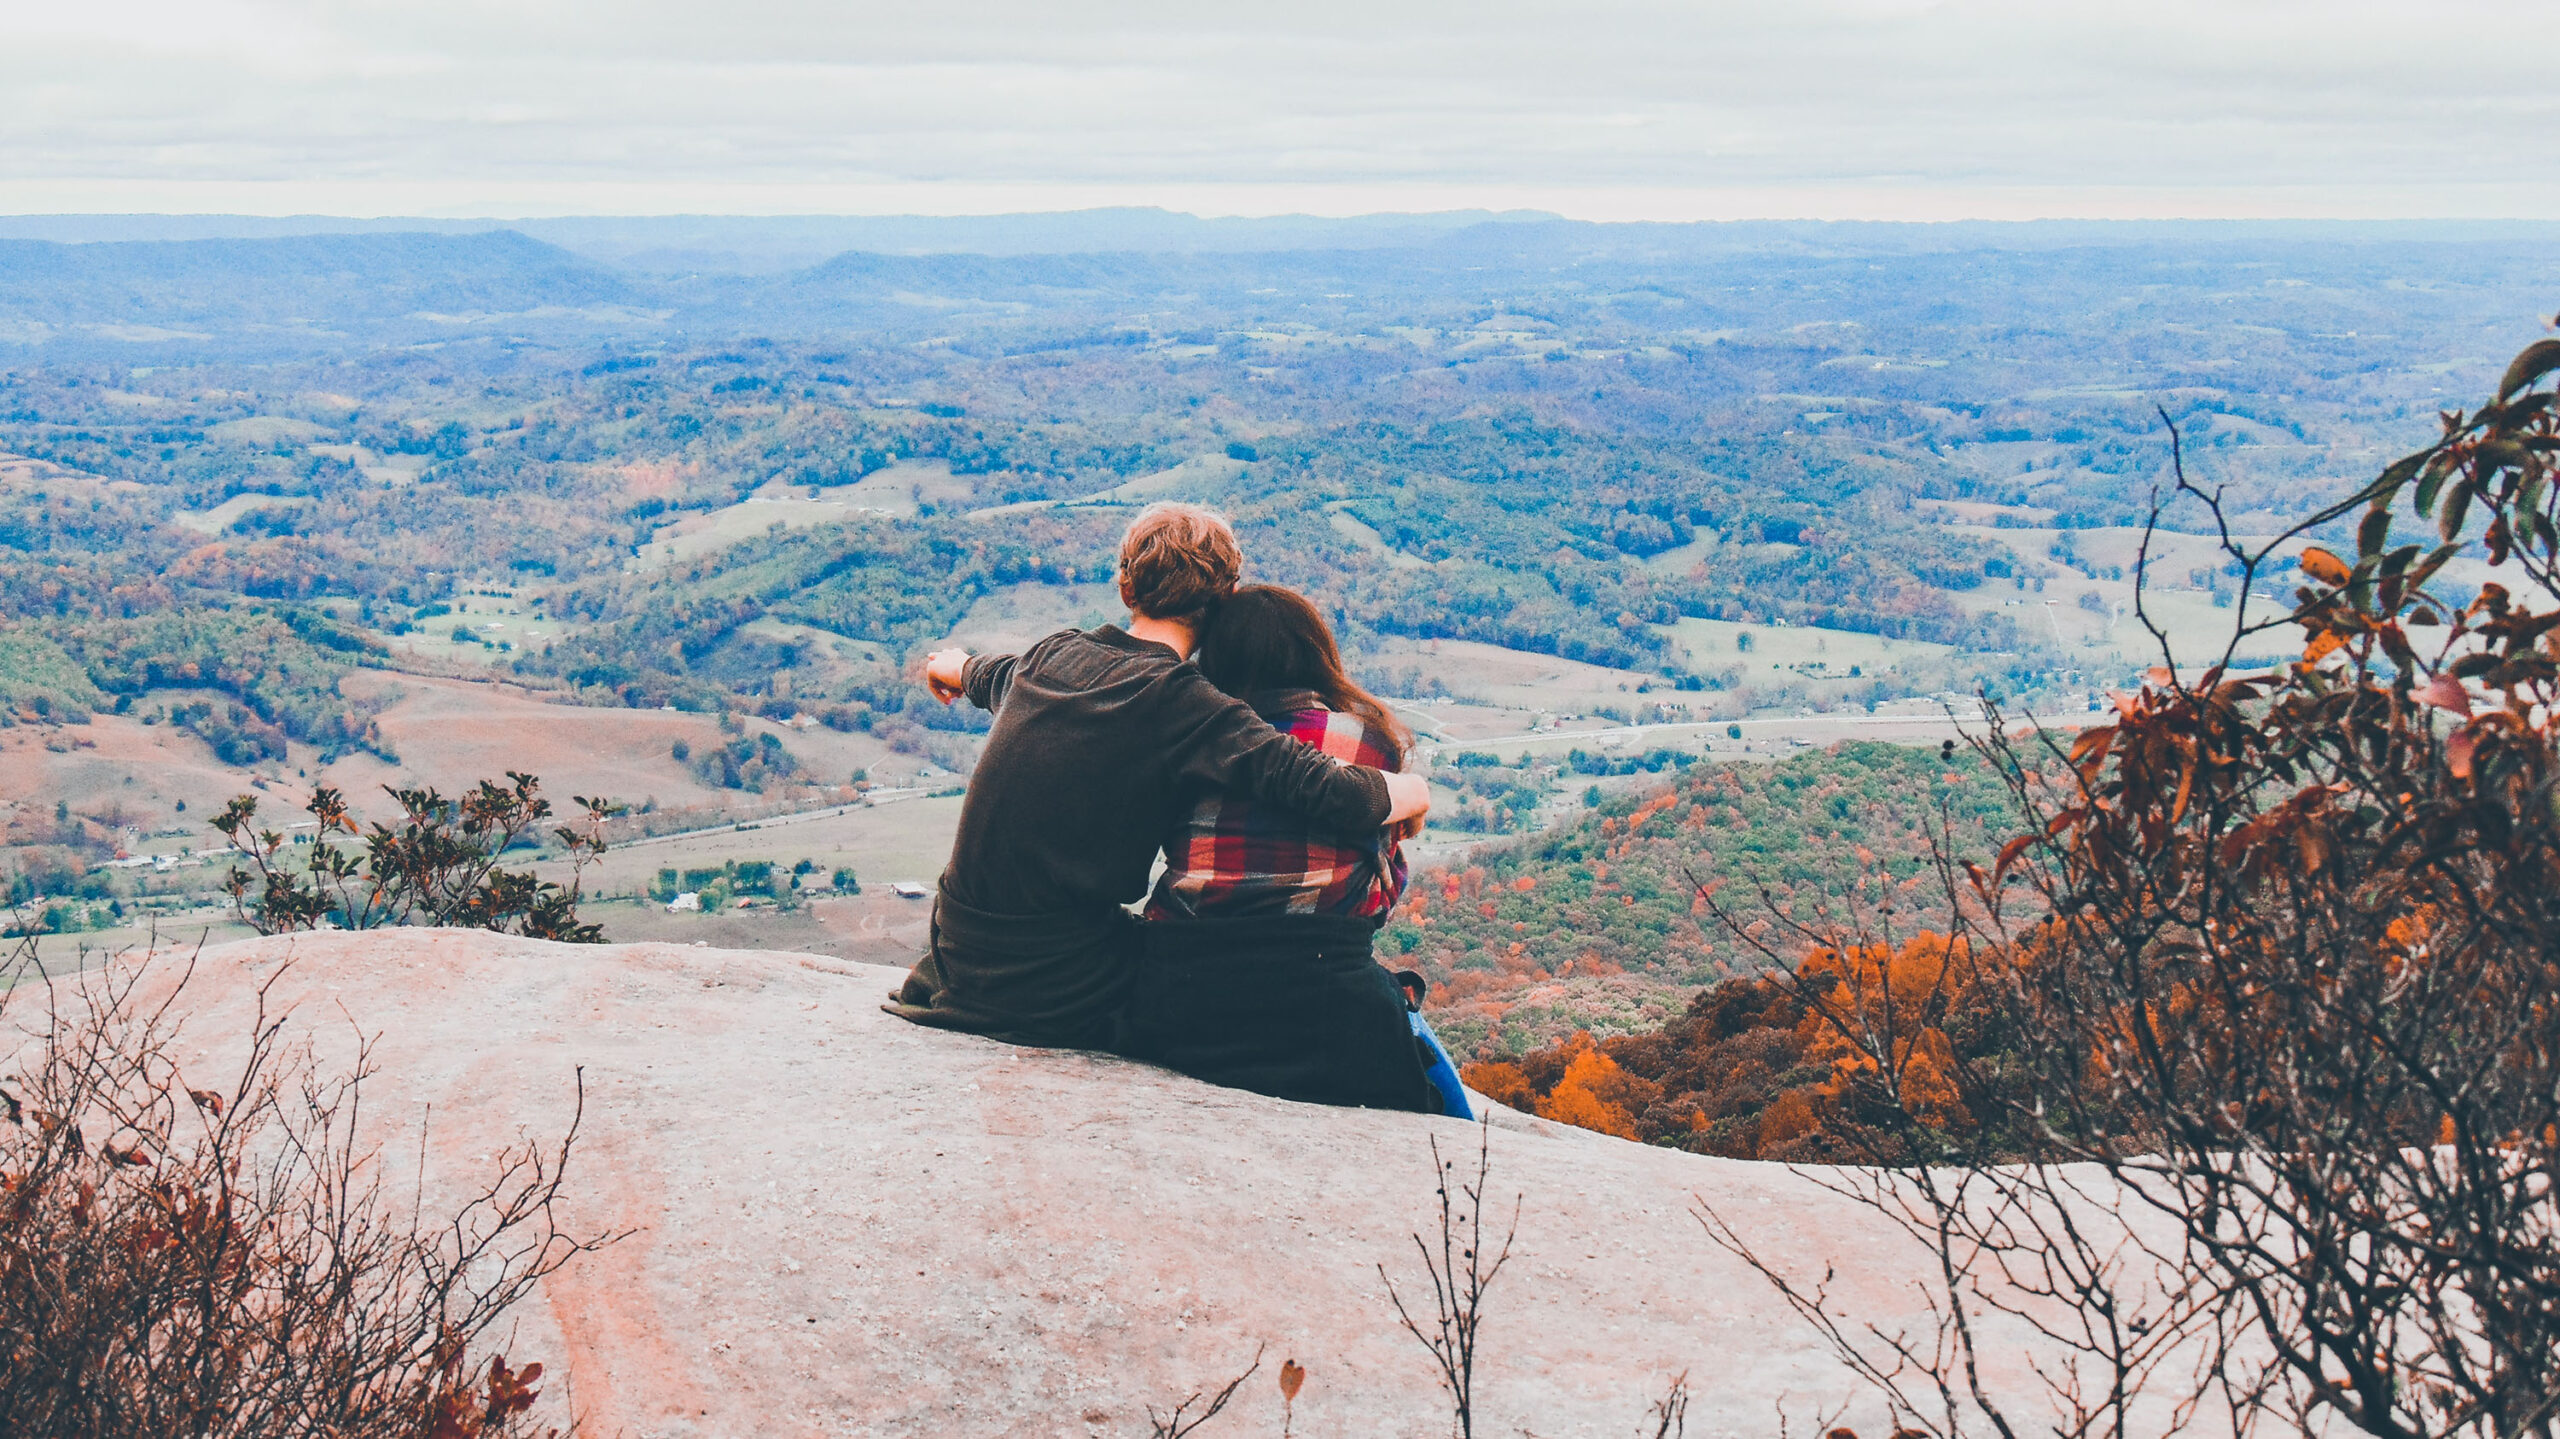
x: 184, y: 1253
x: 438, y: 866
x: 2277, y: 961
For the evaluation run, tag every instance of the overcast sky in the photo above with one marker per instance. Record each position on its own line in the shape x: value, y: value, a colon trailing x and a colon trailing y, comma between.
x: 1604, y: 109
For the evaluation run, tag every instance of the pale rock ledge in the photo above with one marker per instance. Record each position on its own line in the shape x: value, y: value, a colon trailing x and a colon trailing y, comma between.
x: 848, y: 1225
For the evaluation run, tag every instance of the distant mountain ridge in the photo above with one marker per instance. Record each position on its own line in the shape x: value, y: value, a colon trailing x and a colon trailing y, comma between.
x: 765, y: 244
x: 735, y: 244
x: 277, y: 288
x: 1035, y: 279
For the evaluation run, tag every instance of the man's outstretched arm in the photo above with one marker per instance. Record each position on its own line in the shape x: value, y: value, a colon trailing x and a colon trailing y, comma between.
x: 979, y: 679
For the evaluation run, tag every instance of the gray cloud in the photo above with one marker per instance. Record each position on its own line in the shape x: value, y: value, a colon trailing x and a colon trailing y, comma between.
x: 1631, y: 106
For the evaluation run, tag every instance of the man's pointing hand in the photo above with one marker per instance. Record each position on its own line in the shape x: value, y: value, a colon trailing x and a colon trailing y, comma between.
x: 943, y: 674
x: 1408, y: 797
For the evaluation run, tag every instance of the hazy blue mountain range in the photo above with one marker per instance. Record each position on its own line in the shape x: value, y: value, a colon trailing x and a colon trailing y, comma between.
x: 764, y: 243
x: 323, y: 289
x: 1946, y: 314
x: 726, y: 244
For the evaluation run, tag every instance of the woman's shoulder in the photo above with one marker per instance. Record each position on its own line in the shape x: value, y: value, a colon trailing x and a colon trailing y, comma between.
x: 1277, y: 705
x: 1343, y: 735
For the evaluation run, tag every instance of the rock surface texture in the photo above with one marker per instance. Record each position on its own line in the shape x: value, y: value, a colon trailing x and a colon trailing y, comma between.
x: 844, y: 1224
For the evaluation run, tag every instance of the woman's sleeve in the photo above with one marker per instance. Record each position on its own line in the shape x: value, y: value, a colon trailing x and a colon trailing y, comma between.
x: 1218, y: 742
x: 986, y: 678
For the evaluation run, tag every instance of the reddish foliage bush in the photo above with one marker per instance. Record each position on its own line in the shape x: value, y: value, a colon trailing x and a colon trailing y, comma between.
x: 2273, y: 957
x: 228, y: 1260
x: 1772, y: 1067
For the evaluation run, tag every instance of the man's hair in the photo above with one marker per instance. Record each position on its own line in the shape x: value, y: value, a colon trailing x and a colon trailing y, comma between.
x: 1177, y: 562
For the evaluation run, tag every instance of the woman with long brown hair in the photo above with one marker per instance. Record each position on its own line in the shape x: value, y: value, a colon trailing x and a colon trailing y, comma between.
x: 1257, y: 968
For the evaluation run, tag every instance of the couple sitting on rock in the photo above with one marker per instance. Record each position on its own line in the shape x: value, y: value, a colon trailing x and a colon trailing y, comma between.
x: 1218, y: 727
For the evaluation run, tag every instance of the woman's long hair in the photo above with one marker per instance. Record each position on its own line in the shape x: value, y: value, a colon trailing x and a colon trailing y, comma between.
x: 1264, y: 637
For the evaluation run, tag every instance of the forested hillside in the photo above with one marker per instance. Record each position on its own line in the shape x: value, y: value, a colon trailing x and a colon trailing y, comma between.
x: 1598, y: 924
x: 1551, y: 438
x: 1542, y: 475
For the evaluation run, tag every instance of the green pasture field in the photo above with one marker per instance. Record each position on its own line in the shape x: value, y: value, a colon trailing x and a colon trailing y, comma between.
x: 510, y: 616
x: 896, y: 490
x: 1815, y: 652
x: 1196, y: 478
x: 1359, y: 532
x: 214, y: 521
x: 2090, y: 619
x: 898, y: 839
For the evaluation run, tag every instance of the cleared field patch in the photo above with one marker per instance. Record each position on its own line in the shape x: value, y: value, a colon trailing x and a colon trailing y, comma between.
x: 1360, y: 532
x: 1805, y: 650
x: 478, y: 629
x: 903, y: 487
x: 807, y: 929
x: 1011, y: 619
x: 1680, y: 559
x: 214, y: 521
x: 453, y: 733
x: 1510, y: 679
x: 1194, y: 478
x: 23, y: 469
x: 266, y: 430
x: 120, y: 773
x: 1983, y: 512
x: 1199, y: 477
x: 824, y: 656
x: 897, y: 490
x: 374, y: 465
x: 898, y: 840
x: 706, y: 533
x: 2086, y: 604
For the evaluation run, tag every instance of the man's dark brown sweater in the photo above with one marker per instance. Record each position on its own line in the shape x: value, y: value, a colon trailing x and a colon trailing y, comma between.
x: 1099, y: 740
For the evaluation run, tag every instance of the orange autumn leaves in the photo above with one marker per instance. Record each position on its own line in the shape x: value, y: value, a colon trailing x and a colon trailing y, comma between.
x: 1590, y: 1091
x: 1837, y: 1063
x: 1772, y: 1068
x: 1881, y: 1021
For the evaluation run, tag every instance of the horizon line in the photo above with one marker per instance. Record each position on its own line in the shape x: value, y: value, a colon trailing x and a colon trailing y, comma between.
x: 1871, y: 200
x: 1516, y: 215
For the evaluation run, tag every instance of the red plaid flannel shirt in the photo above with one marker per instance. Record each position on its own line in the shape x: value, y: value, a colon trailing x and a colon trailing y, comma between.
x: 1235, y: 855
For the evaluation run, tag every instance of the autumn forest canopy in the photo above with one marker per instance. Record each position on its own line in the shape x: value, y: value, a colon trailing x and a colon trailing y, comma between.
x: 1704, y: 474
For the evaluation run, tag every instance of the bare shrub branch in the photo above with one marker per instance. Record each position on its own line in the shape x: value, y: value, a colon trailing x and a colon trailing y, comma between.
x: 2266, y: 1120
x: 1669, y: 1415
x: 1460, y: 1274
x: 194, y: 1254
x: 1181, y: 1421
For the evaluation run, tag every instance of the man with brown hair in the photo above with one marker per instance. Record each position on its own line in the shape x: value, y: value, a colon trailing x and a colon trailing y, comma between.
x: 1099, y: 734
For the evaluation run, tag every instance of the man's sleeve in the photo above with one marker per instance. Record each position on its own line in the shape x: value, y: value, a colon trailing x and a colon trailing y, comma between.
x: 985, y: 678
x: 1218, y: 742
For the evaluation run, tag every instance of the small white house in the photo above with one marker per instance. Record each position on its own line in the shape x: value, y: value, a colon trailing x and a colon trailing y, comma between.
x: 686, y: 903
x: 909, y: 889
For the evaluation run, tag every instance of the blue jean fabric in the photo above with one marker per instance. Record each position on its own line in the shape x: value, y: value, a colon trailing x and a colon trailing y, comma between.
x: 1442, y: 1073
